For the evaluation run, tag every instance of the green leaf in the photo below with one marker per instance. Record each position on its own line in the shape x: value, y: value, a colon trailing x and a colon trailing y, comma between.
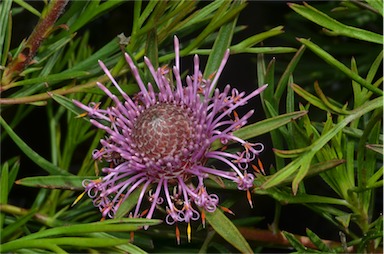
x: 337, y: 64
x: 141, y: 17
x: 4, y: 19
x: 253, y: 40
x: 258, y: 50
x: 67, y: 103
x: 266, y: 50
x: 377, y: 5
x: 304, y: 168
x: 376, y: 147
x: 17, y: 225
x: 327, y: 102
x: 223, y: 16
x: 51, y: 243
x: 375, y: 67
x: 262, y: 127
x: 126, y: 248
x: 43, y: 163
x: 222, y: 43
x: 318, y: 242
x: 4, y: 190
x: 267, y: 76
x: 375, y: 177
x: 15, y: 162
x: 309, y: 97
x: 344, y: 220
x: 335, y: 26
x: 225, y: 228
x: 283, y: 81
x: 91, y: 10
x: 151, y: 48
x: 55, y: 182
x: 295, y: 243
x: 129, y: 203
x: 285, y: 198
x: 113, y: 225
x: 28, y: 7
x: 293, y: 166
x: 314, y: 170
x: 53, y: 78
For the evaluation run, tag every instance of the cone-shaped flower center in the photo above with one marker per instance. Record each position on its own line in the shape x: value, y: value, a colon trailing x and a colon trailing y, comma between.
x: 162, y: 130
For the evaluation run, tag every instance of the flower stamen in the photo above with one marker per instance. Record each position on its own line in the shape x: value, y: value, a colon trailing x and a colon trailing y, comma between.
x: 78, y: 198
x: 177, y: 233
x: 189, y: 230
x: 203, y: 218
x: 227, y: 210
x: 249, y: 197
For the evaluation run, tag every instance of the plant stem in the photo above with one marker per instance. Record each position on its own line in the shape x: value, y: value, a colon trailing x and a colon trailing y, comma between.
x: 43, y: 219
x: 30, y: 47
x: 278, y: 238
x: 45, y: 96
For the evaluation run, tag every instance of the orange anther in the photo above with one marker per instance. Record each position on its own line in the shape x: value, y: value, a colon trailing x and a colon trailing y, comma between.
x: 256, y: 168
x: 203, y: 218
x: 164, y: 69
x: 249, y: 197
x: 210, y: 77
x: 227, y: 210
x: 82, y: 115
x: 236, y: 115
x: 189, y: 230
x: 177, y: 232
x: 260, y: 165
x: 144, y: 213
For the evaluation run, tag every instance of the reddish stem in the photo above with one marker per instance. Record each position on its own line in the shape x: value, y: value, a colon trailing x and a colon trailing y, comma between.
x: 41, y: 31
x: 278, y: 239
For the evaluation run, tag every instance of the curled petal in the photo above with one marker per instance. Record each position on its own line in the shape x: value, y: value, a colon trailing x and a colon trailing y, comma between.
x: 187, y: 214
x: 246, y: 182
x: 172, y: 217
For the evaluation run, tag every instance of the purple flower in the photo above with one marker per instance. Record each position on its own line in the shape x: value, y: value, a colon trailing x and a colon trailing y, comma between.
x: 160, y: 140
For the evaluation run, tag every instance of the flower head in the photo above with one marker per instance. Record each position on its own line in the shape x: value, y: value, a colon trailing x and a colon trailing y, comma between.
x: 160, y: 140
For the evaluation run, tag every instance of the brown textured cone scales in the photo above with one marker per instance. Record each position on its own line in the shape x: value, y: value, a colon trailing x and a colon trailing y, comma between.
x: 163, y: 130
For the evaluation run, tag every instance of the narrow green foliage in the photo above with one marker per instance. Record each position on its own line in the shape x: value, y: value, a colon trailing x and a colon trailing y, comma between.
x: 296, y: 243
x: 43, y: 163
x: 222, y: 43
x: 55, y: 182
x: 334, y: 62
x: 319, y: 143
x: 322, y: 136
x: 225, y: 228
x: 283, y: 81
x: 262, y: 127
x: 128, y: 204
x: 16, y: 227
x: 5, y: 30
x: 336, y: 27
x: 318, y: 242
x: 4, y: 190
x: 53, y: 243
